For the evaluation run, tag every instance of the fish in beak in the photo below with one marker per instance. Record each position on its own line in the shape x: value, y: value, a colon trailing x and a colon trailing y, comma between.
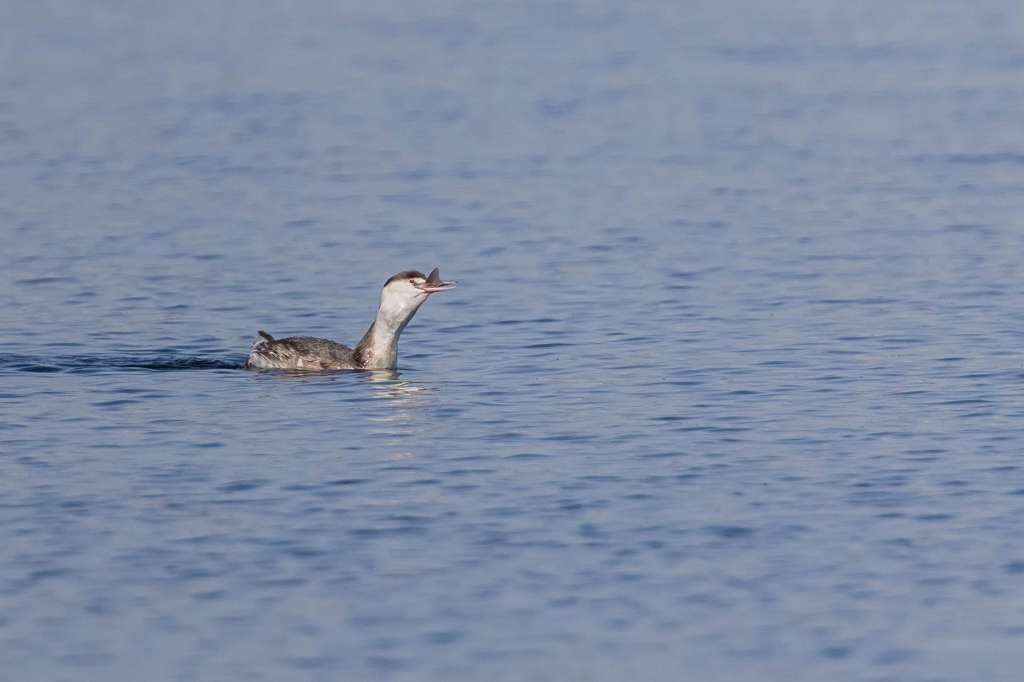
x: 434, y: 283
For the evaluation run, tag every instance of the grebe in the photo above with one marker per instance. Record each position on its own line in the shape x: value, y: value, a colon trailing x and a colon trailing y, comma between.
x: 401, y: 297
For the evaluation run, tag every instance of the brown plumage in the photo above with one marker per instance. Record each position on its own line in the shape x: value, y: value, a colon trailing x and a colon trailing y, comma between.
x: 301, y: 352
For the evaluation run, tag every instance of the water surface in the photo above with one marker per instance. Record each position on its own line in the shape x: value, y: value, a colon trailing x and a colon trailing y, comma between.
x: 731, y: 388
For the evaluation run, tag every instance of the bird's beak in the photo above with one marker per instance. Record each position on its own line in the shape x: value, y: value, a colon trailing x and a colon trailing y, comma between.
x: 435, y: 284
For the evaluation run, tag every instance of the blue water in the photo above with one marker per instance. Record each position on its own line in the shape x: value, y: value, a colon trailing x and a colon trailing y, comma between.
x: 731, y: 388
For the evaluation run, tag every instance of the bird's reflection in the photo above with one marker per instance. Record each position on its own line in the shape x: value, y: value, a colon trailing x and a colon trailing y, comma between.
x: 405, y: 402
x: 383, y: 383
x: 379, y: 375
x: 386, y: 384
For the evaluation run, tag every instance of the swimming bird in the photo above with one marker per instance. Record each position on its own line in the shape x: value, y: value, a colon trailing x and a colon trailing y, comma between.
x: 401, y: 297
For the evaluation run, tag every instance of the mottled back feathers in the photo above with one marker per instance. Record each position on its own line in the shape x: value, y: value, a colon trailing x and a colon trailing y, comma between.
x: 300, y: 352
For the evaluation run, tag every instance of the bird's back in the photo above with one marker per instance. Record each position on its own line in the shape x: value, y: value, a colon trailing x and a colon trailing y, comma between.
x: 299, y: 352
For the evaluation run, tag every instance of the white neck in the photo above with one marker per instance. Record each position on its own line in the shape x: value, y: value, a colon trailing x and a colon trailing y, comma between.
x: 378, y: 348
